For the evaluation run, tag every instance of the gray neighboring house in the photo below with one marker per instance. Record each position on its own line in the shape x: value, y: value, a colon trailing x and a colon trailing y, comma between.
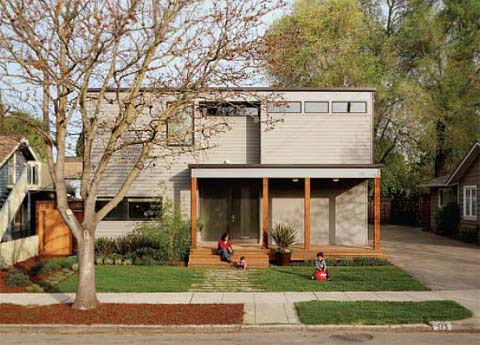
x: 21, y: 177
x: 311, y: 170
x: 460, y: 187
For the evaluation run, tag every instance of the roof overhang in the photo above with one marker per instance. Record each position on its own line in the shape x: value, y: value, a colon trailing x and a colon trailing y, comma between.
x: 284, y: 171
x: 465, y: 163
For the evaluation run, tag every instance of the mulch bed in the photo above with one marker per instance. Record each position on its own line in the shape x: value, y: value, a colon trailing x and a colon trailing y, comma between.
x: 124, y: 314
x: 4, y: 288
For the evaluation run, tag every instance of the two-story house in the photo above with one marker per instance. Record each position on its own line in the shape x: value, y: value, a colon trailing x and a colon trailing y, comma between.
x: 301, y: 156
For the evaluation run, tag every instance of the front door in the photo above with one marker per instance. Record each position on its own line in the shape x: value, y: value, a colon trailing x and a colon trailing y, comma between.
x: 229, y: 206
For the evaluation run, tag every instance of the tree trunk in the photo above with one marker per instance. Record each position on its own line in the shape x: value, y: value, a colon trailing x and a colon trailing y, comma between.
x: 441, y: 153
x: 86, y: 297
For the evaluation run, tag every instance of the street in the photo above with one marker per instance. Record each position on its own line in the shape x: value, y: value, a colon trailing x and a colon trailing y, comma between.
x: 248, y: 338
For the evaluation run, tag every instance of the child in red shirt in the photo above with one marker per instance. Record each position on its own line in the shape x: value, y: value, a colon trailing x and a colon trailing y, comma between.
x: 224, y: 248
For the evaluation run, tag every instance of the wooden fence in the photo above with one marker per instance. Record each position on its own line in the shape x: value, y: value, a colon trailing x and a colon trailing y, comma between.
x: 411, y: 211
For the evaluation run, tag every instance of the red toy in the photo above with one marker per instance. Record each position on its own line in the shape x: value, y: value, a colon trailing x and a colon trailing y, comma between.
x: 321, y: 275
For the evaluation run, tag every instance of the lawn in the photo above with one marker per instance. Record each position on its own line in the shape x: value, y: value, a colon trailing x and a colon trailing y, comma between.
x: 180, y: 279
x: 379, y: 313
x: 139, y: 279
x: 344, y: 278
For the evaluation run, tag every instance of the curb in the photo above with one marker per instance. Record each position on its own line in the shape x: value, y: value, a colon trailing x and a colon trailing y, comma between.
x: 157, y: 329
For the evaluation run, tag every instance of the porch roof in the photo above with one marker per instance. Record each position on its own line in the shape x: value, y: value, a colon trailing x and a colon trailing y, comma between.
x: 285, y: 170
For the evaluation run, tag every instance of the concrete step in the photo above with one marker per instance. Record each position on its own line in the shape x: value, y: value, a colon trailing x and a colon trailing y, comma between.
x: 234, y: 257
x: 222, y: 264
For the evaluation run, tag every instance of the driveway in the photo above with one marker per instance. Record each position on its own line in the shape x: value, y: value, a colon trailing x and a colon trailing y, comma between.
x: 438, y: 262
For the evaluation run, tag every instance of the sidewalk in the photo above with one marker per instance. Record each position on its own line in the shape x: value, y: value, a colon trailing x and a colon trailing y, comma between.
x: 265, y: 308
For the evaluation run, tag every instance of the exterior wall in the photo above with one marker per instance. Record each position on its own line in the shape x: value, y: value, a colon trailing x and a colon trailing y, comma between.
x: 22, y: 249
x: 114, y: 228
x: 471, y: 177
x: 320, y: 138
x: 20, y: 159
x: 339, y: 211
x: 301, y: 138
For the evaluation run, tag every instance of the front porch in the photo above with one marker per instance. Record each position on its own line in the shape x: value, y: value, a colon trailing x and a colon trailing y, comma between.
x: 326, y: 204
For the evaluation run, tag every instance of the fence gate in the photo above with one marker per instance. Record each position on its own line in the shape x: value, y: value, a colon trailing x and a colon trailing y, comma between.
x: 54, y: 236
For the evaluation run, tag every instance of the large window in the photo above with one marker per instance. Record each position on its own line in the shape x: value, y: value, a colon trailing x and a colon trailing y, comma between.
x: 180, y: 126
x: 284, y: 107
x: 349, y: 107
x: 230, y: 108
x: 316, y: 107
x: 470, y: 202
x: 131, y: 209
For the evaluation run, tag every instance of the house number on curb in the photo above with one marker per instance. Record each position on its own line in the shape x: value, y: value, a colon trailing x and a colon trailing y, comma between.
x: 441, y: 326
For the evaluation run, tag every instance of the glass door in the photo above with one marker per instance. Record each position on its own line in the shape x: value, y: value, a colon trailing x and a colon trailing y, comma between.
x: 230, y: 206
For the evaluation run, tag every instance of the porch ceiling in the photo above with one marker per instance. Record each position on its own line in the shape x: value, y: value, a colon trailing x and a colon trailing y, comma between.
x: 285, y: 171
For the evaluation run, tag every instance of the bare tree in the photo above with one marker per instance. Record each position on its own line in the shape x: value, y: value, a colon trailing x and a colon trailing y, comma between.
x: 133, y: 52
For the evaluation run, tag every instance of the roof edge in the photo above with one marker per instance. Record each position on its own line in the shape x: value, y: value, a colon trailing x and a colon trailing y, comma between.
x: 251, y: 89
x: 465, y: 159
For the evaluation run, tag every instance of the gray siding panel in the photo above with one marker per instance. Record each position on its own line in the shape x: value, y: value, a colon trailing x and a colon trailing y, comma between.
x: 322, y: 139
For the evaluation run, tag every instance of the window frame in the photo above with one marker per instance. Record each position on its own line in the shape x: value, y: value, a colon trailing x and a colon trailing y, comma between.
x: 470, y: 215
x: 141, y: 199
x: 126, y: 209
x: 285, y: 112
x: 316, y: 112
x: 257, y: 104
x: 349, y: 107
x: 177, y: 144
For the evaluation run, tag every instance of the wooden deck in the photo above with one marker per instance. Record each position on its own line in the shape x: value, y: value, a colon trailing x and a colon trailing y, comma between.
x: 205, y: 255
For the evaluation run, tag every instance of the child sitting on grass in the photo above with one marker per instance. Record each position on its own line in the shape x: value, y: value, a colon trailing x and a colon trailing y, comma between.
x: 242, y: 264
x: 320, y: 268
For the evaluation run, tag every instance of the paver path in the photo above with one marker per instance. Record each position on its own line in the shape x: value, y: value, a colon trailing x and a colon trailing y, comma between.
x: 226, y: 280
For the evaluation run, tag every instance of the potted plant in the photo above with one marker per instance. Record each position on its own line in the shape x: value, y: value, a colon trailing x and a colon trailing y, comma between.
x: 284, y: 236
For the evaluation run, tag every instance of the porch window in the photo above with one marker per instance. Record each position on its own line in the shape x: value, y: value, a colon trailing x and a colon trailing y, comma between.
x: 131, y: 209
x: 284, y: 107
x: 470, y: 202
x: 349, y: 107
x: 316, y: 107
x: 180, y: 127
x: 230, y: 108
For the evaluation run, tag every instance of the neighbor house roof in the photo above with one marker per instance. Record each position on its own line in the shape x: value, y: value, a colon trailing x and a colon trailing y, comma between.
x: 444, y: 181
x: 465, y: 163
x: 436, y: 182
x: 73, y: 167
x: 9, y: 143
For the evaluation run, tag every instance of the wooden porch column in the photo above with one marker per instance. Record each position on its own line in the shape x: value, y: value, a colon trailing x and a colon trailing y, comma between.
x: 265, y: 212
x: 306, y: 213
x: 376, y: 221
x: 193, y: 212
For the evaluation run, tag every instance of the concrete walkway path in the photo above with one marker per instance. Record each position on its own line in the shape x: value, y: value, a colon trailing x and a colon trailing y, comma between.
x: 260, y: 307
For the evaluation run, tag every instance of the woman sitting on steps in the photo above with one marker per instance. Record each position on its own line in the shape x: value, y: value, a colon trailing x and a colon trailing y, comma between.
x: 224, y: 248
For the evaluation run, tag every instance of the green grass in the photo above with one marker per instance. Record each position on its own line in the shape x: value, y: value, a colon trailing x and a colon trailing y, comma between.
x: 344, y: 278
x: 139, y: 279
x: 379, y: 313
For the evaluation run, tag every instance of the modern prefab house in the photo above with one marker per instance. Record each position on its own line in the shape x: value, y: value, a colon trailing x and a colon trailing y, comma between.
x: 284, y: 155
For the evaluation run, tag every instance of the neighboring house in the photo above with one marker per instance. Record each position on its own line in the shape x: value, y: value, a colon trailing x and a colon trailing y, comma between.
x: 21, y: 177
x: 311, y: 171
x: 460, y: 187
x: 73, y: 175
